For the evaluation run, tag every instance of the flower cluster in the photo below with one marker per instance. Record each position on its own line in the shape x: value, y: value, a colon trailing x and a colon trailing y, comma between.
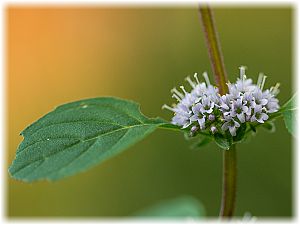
x: 203, y: 108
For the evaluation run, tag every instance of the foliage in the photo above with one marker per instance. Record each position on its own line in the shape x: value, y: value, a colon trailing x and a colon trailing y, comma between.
x: 82, y: 134
x: 77, y: 136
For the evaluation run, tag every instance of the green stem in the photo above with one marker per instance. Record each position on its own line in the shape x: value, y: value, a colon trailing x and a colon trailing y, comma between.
x: 229, y: 156
x: 214, y: 48
x: 229, y: 182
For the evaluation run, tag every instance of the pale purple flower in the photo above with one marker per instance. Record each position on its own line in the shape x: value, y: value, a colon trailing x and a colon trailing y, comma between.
x: 211, y: 117
x: 194, y: 128
x: 230, y: 125
x: 248, y: 118
x: 207, y: 106
x: 239, y: 110
x: 273, y: 103
x: 203, y: 107
x: 181, y: 120
x: 182, y: 115
x: 213, y: 129
x: 243, y: 84
x: 259, y: 115
x: 199, y: 90
x: 259, y: 98
x: 249, y: 101
x: 225, y: 104
x: 198, y: 116
x: 213, y: 94
x: 233, y: 91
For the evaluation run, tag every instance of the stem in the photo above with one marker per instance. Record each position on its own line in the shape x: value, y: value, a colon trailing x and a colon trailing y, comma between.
x: 229, y: 182
x: 229, y: 156
x: 214, y: 49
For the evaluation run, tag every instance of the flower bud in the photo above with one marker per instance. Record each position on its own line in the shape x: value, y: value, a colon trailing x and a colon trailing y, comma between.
x: 194, y: 129
x: 211, y: 117
x: 213, y: 129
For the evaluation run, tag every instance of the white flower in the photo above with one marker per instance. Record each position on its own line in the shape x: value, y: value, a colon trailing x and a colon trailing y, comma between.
x: 243, y: 84
x: 213, y: 129
x: 239, y: 109
x: 198, y: 116
x: 259, y: 115
x: 204, y: 108
x: 207, y: 105
x: 211, y: 117
x: 259, y: 98
x: 225, y: 104
x: 230, y: 125
x: 249, y: 101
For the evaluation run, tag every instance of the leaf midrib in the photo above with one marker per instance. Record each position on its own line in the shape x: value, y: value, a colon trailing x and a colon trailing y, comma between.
x: 83, y: 140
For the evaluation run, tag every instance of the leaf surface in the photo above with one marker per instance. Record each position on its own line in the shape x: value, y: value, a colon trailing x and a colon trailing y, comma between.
x: 77, y: 136
x: 289, y: 112
x: 180, y: 207
x: 223, y: 141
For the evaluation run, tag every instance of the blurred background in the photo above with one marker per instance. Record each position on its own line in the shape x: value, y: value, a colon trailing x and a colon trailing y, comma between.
x: 57, y: 55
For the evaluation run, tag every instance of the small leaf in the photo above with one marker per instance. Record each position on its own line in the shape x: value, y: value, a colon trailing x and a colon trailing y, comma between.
x: 289, y: 111
x: 290, y: 104
x: 77, y: 136
x: 183, y: 207
x: 223, y: 141
x: 252, y: 127
x: 240, y: 133
x: 201, y: 142
x: 270, y: 126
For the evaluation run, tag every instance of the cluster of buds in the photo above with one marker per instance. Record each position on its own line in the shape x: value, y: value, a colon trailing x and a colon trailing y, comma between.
x: 203, y: 108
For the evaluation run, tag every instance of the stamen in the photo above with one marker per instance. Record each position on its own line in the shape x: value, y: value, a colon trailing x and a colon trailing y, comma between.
x: 196, y: 77
x: 259, y: 80
x: 242, y: 72
x: 167, y: 107
x: 206, y: 78
x: 275, y: 90
x: 188, y: 79
x: 175, y: 96
x: 175, y: 91
x: 182, y: 88
x: 263, y: 82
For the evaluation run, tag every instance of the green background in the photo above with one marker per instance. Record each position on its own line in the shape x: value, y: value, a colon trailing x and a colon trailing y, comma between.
x: 57, y: 55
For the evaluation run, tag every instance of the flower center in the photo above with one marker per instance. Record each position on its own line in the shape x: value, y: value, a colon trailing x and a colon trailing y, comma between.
x: 207, y: 107
x: 258, y: 115
x: 231, y: 123
x: 238, y: 110
x: 200, y: 116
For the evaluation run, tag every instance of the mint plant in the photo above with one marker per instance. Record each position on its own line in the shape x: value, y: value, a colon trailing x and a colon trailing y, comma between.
x: 79, y: 135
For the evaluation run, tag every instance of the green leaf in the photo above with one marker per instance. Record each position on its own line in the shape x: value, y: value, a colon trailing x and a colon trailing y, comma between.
x: 77, y: 136
x: 289, y: 112
x: 252, y: 127
x: 270, y: 126
x: 223, y: 141
x: 240, y: 133
x: 183, y: 207
x: 201, y: 142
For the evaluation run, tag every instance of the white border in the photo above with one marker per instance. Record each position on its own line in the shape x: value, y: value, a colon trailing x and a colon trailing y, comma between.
x: 159, y: 3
